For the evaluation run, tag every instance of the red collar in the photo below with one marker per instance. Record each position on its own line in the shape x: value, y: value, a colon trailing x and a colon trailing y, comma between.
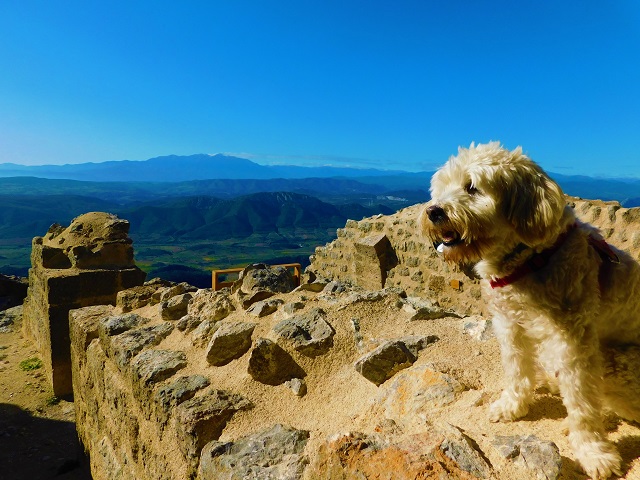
x: 533, y: 264
x: 540, y: 260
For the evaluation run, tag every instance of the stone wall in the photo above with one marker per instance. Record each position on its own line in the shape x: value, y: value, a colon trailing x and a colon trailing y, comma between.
x: 86, y: 263
x: 388, y: 251
x: 378, y: 366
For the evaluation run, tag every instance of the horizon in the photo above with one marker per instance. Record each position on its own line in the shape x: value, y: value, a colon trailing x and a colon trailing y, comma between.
x: 342, y: 84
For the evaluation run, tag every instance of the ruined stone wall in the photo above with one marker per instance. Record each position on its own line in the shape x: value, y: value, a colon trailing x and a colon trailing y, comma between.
x: 335, y: 379
x: 87, y: 263
x: 418, y: 269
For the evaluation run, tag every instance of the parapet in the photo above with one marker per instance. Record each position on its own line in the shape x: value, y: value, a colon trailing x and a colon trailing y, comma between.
x: 86, y: 263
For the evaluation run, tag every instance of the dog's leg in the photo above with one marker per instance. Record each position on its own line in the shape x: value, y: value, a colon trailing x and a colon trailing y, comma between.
x: 518, y: 357
x: 580, y: 381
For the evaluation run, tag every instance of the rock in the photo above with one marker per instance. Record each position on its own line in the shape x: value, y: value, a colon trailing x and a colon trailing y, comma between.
x: 264, y: 307
x: 374, y: 257
x: 202, y: 419
x: 292, y: 307
x: 188, y: 323
x: 117, y: 324
x: 464, y: 451
x: 167, y: 397
x: 308, y: 334
x: 176, y: 307
x: 415, y: 392
x: 207, y: 304
x: 271, y: 365
x: 298, y: 386
x: 153, y: 366
x: 478, y: 328
x: 416, y: 343
x: 92, y: 240
x: 259, y: 282
x: 201, y: 335
x: 316, y: 286
x: 384, y: 362
x: 335, y: 286
x: 542, y: 457
x: 165, y: 293
x: 276, y: 453
x: 135, y: 297
x: 419, y: 309
x: 367, y: 457
x: 121, y: 348
x: 229, y: 342
x: 9, y: 317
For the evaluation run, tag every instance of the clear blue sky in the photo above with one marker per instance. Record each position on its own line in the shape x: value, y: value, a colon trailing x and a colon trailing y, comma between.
x: 393, y: 84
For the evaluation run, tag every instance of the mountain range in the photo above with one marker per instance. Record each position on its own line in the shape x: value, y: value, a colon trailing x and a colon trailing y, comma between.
x: 226, y: 176
x: 175, y: 168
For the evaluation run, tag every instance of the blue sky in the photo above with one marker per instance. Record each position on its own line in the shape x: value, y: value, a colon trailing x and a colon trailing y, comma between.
x: 363, y: 83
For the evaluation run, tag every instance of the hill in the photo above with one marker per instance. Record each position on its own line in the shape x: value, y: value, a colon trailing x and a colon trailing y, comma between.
x: 176, y: 168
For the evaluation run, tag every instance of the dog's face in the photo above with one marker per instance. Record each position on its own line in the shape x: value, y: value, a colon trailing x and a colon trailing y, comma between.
x: 488, y: 199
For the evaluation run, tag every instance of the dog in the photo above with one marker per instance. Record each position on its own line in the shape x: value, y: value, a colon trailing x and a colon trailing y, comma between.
x: 558, y: 293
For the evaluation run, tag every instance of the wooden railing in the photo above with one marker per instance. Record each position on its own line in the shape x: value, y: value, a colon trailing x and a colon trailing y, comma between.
x: 216, y: 284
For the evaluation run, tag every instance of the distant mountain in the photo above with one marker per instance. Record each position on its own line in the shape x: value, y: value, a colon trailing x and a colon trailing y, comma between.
x: 175, y: 168
x: 208, y: 218
x: 188, y: 218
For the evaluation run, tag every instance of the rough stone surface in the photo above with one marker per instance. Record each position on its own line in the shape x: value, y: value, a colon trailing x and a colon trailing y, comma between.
x: 229, y: 342
x: 309, y: 334
x: 416, y: 392
x: 176, y: 392
x: 122, y: 348
x: 384, y: 362
x: 426, y: 455
x: 153, y: 366
x: 374, y: 257
x: 117, y: 324
x: 202, y: 419
x: 272, y: 365
x: 264, y: 307
x: 210, y: 305
x: 542, y: 457
x: 135, y: 297
x: 8, y: 318
x: 276, y: 453
x: 176, y: 307
x: 86, y: 263
x: 259, y: 281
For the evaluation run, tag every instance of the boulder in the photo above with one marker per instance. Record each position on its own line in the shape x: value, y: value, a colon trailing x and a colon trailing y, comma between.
x: 308, y: 334
x: 276, y: 453
x: 259, y: 282
x: 541, y: 457
x: 207, y: 304
x: 176, y: 307
x: 229, y: 342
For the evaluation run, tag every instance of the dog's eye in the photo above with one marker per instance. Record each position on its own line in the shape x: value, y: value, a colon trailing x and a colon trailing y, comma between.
x: 470, y: 189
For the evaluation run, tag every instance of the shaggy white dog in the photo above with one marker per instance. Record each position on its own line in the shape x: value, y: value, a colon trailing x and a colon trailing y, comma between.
x: 558, y: 293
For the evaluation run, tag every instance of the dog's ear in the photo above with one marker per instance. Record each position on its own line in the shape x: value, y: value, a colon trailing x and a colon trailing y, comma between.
x: 532, y: 202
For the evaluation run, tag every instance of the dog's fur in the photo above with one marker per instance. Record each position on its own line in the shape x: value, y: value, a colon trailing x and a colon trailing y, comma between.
x: 496, y: 208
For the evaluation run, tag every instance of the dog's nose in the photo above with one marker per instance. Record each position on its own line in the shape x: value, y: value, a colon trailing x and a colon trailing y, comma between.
x: 436, y: 213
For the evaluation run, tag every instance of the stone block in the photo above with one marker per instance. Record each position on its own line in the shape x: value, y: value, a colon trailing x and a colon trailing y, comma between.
x: 374, y: 256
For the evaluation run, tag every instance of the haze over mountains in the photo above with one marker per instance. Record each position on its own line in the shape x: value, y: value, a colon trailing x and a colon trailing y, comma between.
x: 190, y: 214
x: 175, y: 168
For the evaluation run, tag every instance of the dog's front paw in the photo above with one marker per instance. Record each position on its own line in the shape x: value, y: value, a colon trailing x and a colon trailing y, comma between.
x: 506, y: 409
x: 599, y: 459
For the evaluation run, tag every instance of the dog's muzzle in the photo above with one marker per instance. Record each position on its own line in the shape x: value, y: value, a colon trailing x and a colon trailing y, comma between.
x: 448, y: 238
